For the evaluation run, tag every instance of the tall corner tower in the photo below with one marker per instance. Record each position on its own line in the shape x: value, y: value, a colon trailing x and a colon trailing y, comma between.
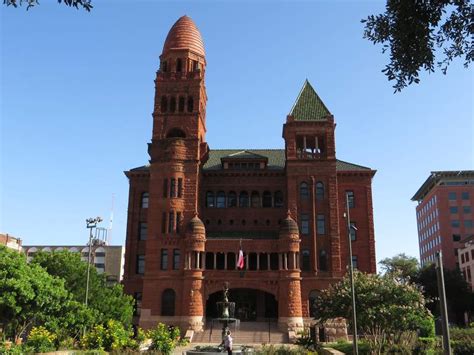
x: 176, y: 149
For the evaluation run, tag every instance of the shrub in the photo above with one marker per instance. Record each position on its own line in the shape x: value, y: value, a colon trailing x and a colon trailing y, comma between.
x: 462, y: 341
x: 164, y: 338
x: 346, y: 347
x: 9, y: 348
x: 41, y: 340
x: 112, y: 336
x: 427, y: 345
x: 282, y: 350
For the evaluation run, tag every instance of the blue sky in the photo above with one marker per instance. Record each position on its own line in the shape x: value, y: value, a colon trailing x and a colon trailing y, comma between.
x: 77, y: 95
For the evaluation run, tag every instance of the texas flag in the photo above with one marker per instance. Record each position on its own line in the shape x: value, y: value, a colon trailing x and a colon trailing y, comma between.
x: 240, y: 261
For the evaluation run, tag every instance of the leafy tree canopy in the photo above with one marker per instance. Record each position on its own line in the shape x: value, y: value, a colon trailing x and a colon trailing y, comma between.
x: 413, y: 31
x: 402, y: 265
x: 108, y: 301
x: 85, y: 4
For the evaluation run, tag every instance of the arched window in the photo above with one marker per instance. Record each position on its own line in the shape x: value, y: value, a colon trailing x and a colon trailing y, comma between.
x: 278, y: 199
x: 267, y: 199
x: 319, y: 191
x: 313, y: 295
x: 244, y: 199
x: 255, y: 199
x: 145, y: 200
x: 168, y: 300
x: 172, y: 104
x: 164, y: 104
x: 220, y: 199
x: 176, y: 133
x: 164, y: 66
x: 304, y: 191
x: 179, y: 65
x: 190, y: 104
x: 181, y: 104
x: 210, y: 199
x: 305, y: 260
x: 232, y: 199
x: 323, y: 260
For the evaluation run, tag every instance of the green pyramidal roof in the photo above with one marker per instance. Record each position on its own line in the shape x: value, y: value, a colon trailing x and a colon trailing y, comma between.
x: 308, y: 105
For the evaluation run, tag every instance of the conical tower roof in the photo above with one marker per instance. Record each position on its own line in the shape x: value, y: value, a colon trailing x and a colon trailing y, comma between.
x: 184, y: 35
x: 309, y: 106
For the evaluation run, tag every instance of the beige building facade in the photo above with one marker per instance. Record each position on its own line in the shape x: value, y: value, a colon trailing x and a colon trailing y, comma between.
x: 10, y: 242
x: 466, y: 260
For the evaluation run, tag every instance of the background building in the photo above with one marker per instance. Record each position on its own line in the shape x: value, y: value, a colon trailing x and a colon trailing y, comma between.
x: 193, y: 208
x: 444, y: 214
x: 108, y: 259
x: 466, y: 260
x: 10, y: 242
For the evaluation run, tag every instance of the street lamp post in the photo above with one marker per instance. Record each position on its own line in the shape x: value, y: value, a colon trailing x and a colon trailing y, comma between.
x: 351, y: 276
x: 91, y: 224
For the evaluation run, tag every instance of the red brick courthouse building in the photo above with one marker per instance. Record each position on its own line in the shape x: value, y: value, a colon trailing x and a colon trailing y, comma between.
x: 192, y: 208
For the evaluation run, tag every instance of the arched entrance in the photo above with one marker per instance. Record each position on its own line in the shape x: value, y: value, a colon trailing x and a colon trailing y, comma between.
x: 250, y: 304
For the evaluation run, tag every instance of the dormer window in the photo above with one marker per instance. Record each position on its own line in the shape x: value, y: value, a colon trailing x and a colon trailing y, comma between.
x: 244, y: 160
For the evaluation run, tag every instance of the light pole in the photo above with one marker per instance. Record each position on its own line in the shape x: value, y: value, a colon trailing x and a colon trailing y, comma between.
x: 442, y: 303
x: 91, y: 224
x: 355, y: 348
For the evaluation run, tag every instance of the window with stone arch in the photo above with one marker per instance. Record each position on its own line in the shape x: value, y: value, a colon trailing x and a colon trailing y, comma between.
x: 267, y: 199
x: 304, y: 191
x: 305, y: 260
x: 278, y: 201
x: 244, y: 199
x: 323, y: 260
x: 168, y: 300
x: 220, y: 202
x: 181, y: 104
x: 232, y: 199
x: 313, y: 295
x: 172, y: 104
x: 190, y: 104
x: 255, y: 199
x: 319, y: 191
x: 164, y: 104
x: 179, y: 65
x: 210, y: 199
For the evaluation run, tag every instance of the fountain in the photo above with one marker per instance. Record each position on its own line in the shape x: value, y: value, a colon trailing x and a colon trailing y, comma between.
x: 226, y: 311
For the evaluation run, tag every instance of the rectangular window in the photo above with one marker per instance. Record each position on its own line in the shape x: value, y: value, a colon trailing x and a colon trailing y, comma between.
x: 453, y: 209
x: 163, y: 223
x: 176, y: 257
x: 140, y: 267
x: 173, y: 187
x: 466, y: 209
x: 466, y: 256
x: 171, y: 222
x: 355, y: 263
x: 465, y: 195
x: 353, y: 231
x: 138, y: 303
x: 455, y: 223
x: 468, y: 223
x: 350, y: 198
x: 179, y: 216
x: 142, y: 230
x: 180, y: 187
x: 145, y: 199
x: 165, y: 188
x: 462, y: 258
x: 164, y: 259
x: 472, y: 254
x: 321, y: 224
x: 304, y: 224
x: 452, y: 196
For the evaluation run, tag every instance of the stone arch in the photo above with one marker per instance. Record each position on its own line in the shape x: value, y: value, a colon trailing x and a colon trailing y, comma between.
x: 176, y: 133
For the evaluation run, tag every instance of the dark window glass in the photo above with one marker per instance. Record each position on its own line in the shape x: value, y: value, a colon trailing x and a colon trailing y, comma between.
x: 179, y: 217
x: 350, y: 198
x: 355, y: 263
x: 278, y: 199
x: 210, y: 199
x: 321, y: 224
x: 465, y: 195
x: 455, y: 223
x: 255, y: 199
x: 165, y: 188
x: 172, y: 104
x: 323, y: 260
x: 138, y: 303
x: 164, y: 104
x: 319, y: 191
x: 456, y: 237
x: 453, y: 209
x: 145, y: 200
x: 163, y: 223
x: 252, y: 261
x: 304, y: 224
x: 179, y: 65
x: 168, y: 300
x: 244, y: 199
x: 164, y: 259
x: 353, y: 230
x: 304, y: 191
x: 142, y: 231
x: 220, y: 261
x: 181, y: 102
x: 451, y: 196
x: 274, y: 261
x: 180, y: 187
x: 232, y: 199
x: 164, y: 66
x: 230, y: 261
x: 313, y: 295
x: 467, y: 223
x: 171, y: 222
x: 140, y: 264
x: 176, y: 259
x: 466, y: 209
x: 220, y: 203
x: 190, y: 104
x: 100, y: 254
x: 263, y: 261
x: 173, y: 187
x: 267, y: 199
x: 305, y: 260
x: 209, y: 261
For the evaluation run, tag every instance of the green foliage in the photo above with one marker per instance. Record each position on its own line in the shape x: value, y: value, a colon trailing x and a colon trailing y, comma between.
x: 105, y: 301
x: 413, y: 30
x: 387, y: 308
x: 41, y: 340
x: 306, y: 341
x: 462, y: 340
x: 429, y: 345
x: 85, y: 4
x: 346, y: 347
x: 282, y: 350
x: 111, y: 337
x: 164, y: 338
x: 9, y: 348
x: 401, y: 266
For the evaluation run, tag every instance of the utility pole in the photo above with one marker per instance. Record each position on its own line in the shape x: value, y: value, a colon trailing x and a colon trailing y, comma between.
x: 355, y: 348
x: 442, y: 304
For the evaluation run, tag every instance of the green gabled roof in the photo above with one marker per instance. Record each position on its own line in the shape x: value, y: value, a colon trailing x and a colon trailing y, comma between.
x: 308, y: 105
x: 276, y: 157
x: 243, y: 234
x: 245, y: 154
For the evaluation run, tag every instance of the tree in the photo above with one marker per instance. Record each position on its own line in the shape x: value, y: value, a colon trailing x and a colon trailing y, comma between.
x: 107, y: 301
x: 402, y: 265
x: 386, y: 308
x: 29, y: 296
x: 413, y: 30
x: 85, y: 4
x: 459, y: 297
